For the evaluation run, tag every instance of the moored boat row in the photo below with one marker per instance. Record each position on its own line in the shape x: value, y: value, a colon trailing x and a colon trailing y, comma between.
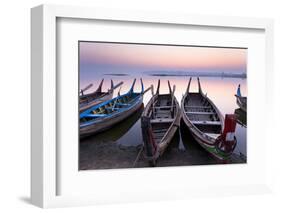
x: 161, y: 118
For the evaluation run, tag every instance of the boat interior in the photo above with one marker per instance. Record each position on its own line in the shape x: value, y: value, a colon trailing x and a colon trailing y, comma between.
x: 112, y: 106
x: 202, y: 114
x: 162, y: 114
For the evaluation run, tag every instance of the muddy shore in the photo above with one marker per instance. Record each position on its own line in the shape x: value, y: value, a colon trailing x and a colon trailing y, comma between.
x: 101, y: 153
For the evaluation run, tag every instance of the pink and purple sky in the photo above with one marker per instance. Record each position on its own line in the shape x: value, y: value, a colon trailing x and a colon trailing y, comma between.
x: 137, y: 58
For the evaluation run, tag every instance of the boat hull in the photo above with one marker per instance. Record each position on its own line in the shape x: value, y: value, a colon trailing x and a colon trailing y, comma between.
x: 107, y: 123
x: 241, y: 103
x: 208, y: 145
x: 207, y: 125
x: 167, y: 139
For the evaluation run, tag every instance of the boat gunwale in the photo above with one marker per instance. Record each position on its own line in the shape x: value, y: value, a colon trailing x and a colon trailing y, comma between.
x: 138, y: 97
x: 88, y: 104
x: 136, y: 101
x: 176, y: 120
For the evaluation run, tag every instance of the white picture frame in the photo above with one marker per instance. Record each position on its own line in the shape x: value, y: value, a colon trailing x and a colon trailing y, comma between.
x: 44, y: 154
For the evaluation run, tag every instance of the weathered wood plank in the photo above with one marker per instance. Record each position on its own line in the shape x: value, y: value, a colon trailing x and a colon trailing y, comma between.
x: 206, y: 122
x: 199, y: 107
x: 162, y: 120
x: 200, y: 113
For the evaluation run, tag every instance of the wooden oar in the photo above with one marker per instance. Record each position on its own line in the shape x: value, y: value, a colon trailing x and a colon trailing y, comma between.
x: 138, y: 156
x: 149, y: 88
x: 86, y: 88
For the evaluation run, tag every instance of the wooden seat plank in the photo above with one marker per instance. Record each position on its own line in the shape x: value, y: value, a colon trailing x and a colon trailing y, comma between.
x: 200, y: 113
x: 206, y: 122
x: 162, y: 120
x: 199, y: 107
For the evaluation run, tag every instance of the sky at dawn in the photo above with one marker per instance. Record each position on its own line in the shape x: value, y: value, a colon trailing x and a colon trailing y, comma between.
x: 136, y: 58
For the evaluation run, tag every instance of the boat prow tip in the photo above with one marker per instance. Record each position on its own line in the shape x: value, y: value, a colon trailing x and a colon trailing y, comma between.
x: 158, y: 87
x: 169, y: 85
x: 199, y: 86
x: 188, y: 86
x: 142, y: 87
x: 132, y: 87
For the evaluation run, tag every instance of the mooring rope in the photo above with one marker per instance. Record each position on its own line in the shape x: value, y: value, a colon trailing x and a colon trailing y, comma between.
x: 138, y: 156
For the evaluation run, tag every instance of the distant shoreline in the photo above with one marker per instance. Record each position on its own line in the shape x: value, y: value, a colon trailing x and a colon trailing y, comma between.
x: 215, y: 75
x: 117, y: 74
x: 210, y: 76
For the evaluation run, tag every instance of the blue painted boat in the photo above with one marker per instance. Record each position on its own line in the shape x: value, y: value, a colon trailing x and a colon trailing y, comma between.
x: 107, y: 114
x: 88, y: 100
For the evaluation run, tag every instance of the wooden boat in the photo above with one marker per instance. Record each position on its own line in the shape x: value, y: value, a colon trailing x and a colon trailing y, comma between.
x: 241, y: 117
x: 88, y: 100
x: 117, y: 131
x: 241, y: 100
x: 207, y: 125
x: 107, y: 114
x: 160, y: 121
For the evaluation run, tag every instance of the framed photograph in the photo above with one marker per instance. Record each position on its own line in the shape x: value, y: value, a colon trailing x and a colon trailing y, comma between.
x: 148, y: 105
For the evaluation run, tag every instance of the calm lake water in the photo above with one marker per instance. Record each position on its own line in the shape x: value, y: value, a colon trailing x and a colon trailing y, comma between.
x: 119, y: 146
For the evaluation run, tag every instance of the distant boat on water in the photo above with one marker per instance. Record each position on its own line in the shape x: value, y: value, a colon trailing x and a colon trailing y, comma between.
x: 241, y: 100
